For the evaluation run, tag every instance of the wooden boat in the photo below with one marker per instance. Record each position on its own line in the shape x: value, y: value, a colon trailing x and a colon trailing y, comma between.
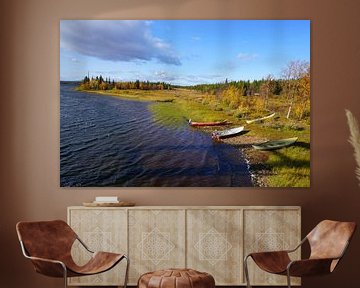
x: 227, y: 133
x: 260, y: 119
x: 217, y: 123
x: 275, y: 144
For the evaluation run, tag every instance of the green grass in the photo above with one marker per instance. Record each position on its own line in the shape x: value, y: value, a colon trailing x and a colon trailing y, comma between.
x: 288, y: 167
x: 139, y: 95
x: 176, y: 113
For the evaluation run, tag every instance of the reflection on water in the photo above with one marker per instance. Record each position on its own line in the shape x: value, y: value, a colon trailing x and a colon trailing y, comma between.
x: 107, y: 141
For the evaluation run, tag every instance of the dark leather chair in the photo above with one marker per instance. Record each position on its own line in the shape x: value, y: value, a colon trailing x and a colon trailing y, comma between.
x: 48, y: 245
x: 328, y: 242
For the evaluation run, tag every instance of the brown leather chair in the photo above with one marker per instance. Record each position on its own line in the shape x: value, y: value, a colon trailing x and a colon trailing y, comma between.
x: 328, y: 242
x: 48, y: 245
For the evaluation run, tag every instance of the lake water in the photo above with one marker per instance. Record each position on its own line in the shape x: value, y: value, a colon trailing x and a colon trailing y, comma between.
x: 107, y: 141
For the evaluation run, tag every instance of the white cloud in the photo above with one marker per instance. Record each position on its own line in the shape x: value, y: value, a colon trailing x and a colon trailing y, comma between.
x: 164, y: 76
x: 195, y: 38
x: 116, y: 40
x: 247, y: 56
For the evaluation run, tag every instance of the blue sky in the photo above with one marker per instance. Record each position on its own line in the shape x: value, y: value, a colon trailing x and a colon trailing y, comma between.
x: 182, y: 52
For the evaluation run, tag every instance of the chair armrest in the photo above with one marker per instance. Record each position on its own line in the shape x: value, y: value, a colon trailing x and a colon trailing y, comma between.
x: 45, y: 260
x: 49, y: 267
x: 281, y: 251
x: 309, y: 267
x: 268, y: 253
x: 84, y: 245
x: 298, y: 246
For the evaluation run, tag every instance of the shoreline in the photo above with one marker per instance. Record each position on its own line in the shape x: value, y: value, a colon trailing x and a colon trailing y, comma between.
x: 254, y: 159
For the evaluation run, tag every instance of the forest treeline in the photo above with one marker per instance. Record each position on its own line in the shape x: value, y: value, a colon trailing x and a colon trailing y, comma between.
x: 99, y: 83
x: 290, y: 94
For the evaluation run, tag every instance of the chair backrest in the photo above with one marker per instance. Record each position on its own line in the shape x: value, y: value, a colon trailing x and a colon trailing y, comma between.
x: 329, y: 239
x: 46, y: 239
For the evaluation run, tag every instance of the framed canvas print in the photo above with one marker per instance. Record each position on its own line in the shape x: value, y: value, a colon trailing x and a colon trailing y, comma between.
x: 180, y: 103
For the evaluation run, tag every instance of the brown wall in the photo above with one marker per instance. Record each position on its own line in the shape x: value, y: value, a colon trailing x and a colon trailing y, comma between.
x: 29, y: 119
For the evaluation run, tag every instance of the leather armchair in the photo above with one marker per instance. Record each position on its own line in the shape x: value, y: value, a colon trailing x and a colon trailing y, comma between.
x: 328, y: 243
x: 48, y: 245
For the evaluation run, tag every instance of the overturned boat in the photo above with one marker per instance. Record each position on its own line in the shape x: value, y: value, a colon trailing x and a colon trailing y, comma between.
x: 215, y: 123
x: 260, y: 119
x: 275, y: 144
x: 227, y: 133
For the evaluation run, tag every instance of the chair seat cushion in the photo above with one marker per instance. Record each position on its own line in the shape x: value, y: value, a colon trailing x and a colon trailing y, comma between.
x: 99, y: 262
x: 176, y: 278
x: 272, y: 262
